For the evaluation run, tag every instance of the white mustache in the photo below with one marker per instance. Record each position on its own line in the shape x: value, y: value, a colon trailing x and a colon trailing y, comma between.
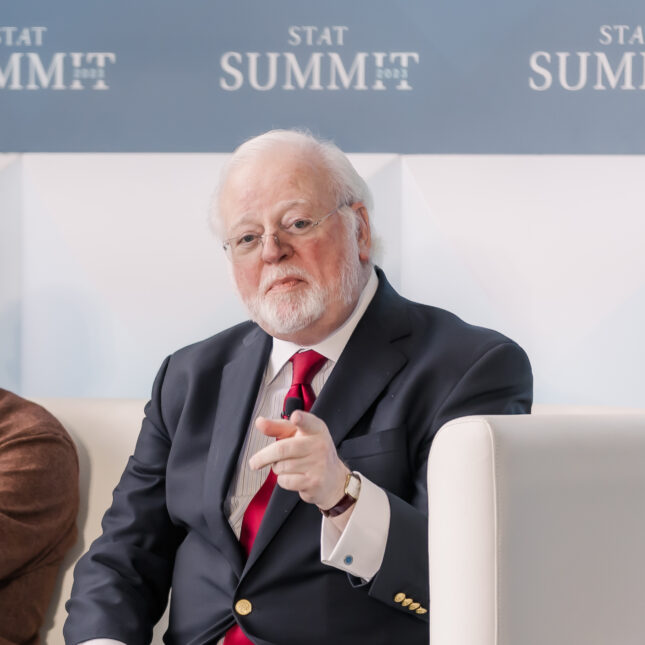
x: 280, y: 273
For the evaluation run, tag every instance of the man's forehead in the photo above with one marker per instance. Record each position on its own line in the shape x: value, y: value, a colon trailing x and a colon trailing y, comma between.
x: 254, y: 189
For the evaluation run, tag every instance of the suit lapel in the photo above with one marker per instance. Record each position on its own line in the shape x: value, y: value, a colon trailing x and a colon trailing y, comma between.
x: 368, y: 363
x: 241, y: 381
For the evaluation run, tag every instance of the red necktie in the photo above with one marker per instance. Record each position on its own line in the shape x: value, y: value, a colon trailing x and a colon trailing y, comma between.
x: 305, y: 366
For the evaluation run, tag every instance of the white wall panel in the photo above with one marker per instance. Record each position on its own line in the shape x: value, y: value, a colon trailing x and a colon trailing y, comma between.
x: 446, y: 261
x: 120, y: 269
x: 547, y: 249
x: 10, y: 270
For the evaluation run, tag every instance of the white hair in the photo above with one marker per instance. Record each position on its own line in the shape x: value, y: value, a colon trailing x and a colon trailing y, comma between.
x: 346, y: 184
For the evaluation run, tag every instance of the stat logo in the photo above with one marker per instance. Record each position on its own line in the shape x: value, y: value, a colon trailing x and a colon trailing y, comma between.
x: 617, y: 62
x: 319, y: 59
x: 23, y: 65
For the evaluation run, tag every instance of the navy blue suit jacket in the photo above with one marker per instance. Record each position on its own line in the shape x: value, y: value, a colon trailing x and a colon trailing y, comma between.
x: 406, y: 370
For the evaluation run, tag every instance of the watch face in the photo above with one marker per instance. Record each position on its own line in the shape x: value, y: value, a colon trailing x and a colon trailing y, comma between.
x: 353, y: 487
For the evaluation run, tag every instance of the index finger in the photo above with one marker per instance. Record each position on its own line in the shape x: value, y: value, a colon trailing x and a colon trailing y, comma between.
x: 279, y: 428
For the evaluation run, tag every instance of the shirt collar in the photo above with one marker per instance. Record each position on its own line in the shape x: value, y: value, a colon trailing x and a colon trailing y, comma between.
x: 332, y: 346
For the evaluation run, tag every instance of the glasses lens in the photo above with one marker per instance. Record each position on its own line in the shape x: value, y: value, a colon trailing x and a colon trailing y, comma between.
x: 245, y: 244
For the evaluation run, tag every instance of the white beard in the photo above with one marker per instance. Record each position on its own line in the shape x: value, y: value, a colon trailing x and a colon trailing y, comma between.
x: 285, y: 312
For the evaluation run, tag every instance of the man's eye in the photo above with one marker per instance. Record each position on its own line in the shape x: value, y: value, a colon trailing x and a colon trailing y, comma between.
x: 300, y: 225
x: 246, y: 240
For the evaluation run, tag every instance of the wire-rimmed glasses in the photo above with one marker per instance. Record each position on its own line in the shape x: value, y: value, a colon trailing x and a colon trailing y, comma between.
x: 245, y: 245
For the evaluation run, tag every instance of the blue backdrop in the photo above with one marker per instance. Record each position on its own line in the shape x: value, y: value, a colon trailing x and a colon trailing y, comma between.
x: 412, y: 76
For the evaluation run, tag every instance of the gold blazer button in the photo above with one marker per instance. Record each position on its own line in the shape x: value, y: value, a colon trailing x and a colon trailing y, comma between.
x: 414, y: 605
x: 243, y: 607
x: 406, y: 602
x: 399, y: 597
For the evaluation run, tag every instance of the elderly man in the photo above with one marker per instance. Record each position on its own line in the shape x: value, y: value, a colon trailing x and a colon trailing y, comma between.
x: 319, y: 537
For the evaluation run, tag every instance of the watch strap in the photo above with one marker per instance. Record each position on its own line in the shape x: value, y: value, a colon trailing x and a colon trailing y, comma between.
x: 339, y: 508
x: 345, y: 502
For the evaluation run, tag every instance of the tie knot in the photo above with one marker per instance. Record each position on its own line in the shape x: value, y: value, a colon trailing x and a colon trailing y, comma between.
x: 305, y: 366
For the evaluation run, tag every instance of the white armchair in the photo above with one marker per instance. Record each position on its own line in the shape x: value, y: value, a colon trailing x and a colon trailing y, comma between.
x: 537, y: 530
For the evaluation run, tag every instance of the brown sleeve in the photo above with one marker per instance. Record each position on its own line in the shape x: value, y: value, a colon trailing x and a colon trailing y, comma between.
x: 38, y: 499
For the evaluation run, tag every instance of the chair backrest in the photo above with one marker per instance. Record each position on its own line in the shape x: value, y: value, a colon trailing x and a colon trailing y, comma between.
x: 537, y: 530
x: 105, y: 432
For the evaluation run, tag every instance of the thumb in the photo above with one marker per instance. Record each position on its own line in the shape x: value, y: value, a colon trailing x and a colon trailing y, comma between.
x: 307, y: 423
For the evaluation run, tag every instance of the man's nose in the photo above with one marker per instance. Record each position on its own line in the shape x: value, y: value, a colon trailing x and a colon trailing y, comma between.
x: 275, y: 249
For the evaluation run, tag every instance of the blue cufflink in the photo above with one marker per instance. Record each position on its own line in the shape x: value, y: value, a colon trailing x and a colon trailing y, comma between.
x: 348, y: 559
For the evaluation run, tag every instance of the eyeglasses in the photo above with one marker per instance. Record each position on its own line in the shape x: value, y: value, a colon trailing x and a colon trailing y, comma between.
x: 243, y: 246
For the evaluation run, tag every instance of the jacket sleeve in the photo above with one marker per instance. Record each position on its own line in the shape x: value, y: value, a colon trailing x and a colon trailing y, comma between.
x: 38, y: 500
x: 498, y: 382
x: 38, y: 507
x: 121, y: 584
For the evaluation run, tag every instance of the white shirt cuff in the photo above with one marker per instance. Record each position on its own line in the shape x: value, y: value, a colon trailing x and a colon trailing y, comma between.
x: 360, y: 548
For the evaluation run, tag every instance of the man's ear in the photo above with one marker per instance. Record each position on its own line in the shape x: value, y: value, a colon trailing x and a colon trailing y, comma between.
x: 363, y: 234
